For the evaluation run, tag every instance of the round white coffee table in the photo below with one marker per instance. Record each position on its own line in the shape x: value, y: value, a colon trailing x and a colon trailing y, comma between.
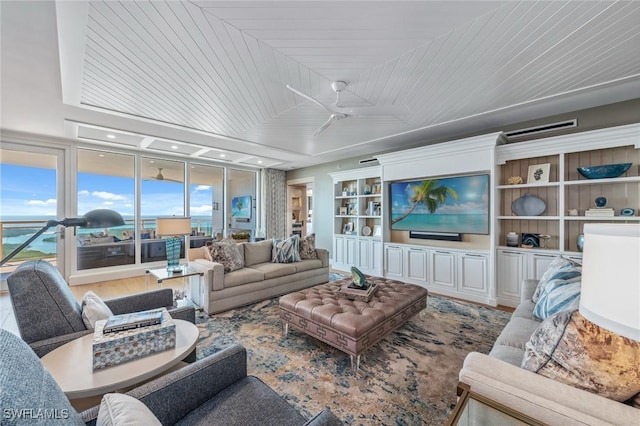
x: 71, y: 365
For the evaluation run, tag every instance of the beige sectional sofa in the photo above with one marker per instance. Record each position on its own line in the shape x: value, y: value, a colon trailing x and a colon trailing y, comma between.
x: 499, y: 377
x: 260, y: 279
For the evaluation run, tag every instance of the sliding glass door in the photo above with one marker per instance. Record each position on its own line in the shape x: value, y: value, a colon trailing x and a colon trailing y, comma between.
x: 31, y: 190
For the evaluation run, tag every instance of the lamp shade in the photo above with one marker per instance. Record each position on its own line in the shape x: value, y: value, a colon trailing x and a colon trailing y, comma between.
x: 102, y: 218
x: 169, y: 226
x: 610, y: 295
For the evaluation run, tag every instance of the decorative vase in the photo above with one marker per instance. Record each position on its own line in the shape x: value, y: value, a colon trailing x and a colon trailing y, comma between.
x: 580, y: 241
x: 512, y: 239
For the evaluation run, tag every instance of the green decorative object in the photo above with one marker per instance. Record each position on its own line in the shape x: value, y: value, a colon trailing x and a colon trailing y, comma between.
x: 359, y: 280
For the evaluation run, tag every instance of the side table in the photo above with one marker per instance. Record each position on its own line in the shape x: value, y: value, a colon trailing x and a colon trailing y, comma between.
x: 188, y: 294
x: 71, y: 365
x: 473, y: 409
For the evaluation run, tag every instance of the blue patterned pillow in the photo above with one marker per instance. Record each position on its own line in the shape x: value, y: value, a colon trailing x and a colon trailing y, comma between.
x: 286, y: 251
x: 560, y: 267
x: 558, y: 295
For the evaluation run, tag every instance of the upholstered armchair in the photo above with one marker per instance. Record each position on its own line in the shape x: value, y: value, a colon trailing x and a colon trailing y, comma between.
x: 48, y: 315
x: 213, y: 390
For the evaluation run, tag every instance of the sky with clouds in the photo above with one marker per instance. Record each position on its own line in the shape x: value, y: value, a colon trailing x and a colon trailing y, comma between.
x: 31, y: 191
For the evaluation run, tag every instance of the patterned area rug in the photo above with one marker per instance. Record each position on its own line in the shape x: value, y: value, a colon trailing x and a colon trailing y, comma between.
x: 409, y: 378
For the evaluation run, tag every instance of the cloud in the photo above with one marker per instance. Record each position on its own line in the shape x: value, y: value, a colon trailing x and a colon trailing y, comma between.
x: 108, y: 196
x: 201, y: 209
x: 49, y: 202
x: 202, y: 188
x: 107, y: 203
x: 83, y: 193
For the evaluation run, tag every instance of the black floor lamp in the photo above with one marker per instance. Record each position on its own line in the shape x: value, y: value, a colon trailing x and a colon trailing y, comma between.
x: 99, y: 218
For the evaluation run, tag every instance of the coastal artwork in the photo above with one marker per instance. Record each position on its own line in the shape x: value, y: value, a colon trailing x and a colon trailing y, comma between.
x: 241, y: 207
x: 454, y: 204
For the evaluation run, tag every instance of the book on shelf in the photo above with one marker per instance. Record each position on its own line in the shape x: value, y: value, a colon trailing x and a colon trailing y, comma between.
x: 122, y: 322
x: 599, y: 212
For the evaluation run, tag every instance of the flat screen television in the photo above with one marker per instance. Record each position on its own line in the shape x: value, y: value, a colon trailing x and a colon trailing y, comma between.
x: 456, y: 205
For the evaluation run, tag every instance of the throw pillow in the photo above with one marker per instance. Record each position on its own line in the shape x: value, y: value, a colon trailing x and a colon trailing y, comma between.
x: 228, y: 254
x: 569, y: 348
x: 560, y: 267
x: 93, y: 309
x: 308, y: 247
x: 558, y: 295
x: 286, y: 251
x: 117, y: 409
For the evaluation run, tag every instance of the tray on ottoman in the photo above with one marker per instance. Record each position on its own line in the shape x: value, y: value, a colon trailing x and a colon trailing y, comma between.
x: 352, y: 326
x: 351, y: 293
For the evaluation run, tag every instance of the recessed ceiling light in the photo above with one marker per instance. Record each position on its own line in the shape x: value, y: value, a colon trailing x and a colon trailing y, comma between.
x: 259, y: 161
x: 110, y: 136
x: 101, y: 155
x: 174, y: 146
x: 222, y: 155
x: 151, y: 161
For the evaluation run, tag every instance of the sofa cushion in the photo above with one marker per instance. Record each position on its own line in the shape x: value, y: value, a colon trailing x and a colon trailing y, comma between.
x: 524, y: 310
x: 118, y: 409
x: 509, y: 354
x: 308, y: 247
x: 258, y: 252
x: 308, y: 264
x: 517, y: 332
x: 561, y: 268
x: 242, y: 276
x: 286, y: 251
x: 275, y: 270
x: 93, y: 309
x: 569, y: 348
x: 558, y: 295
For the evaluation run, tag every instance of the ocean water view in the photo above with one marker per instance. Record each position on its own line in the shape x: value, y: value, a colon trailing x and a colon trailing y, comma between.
x: 456, y: 223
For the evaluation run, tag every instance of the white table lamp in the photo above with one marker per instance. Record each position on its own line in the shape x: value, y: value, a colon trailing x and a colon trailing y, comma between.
x: 610, y: 295
x: 172, y: 228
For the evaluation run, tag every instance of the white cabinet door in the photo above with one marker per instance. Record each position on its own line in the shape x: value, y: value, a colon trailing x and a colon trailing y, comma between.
x: 364, y: 254
x: 511, y: 272
x: 473, y: 273
x: 538, y: 264
x: 443, y: 268
x: 393, y: 262
x: 339, y: 256
x: 417, y: 260
x: 351, y: 251
x: 376, y: 257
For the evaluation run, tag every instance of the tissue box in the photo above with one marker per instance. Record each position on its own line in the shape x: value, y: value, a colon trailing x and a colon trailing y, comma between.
x: 115, y: 348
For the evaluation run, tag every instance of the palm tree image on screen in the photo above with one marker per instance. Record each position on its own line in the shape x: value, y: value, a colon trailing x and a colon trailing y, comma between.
x: 430, y: 194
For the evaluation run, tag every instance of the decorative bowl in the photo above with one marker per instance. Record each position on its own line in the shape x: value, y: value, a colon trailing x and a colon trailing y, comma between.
x: 604, y: 171
x: 528, y: 205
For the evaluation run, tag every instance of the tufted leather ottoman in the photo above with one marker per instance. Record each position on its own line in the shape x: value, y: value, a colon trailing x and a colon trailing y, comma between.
x: 348, y: 325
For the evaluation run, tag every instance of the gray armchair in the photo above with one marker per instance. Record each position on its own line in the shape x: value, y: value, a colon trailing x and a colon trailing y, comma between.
x: 48, y: 315
x: 213, y: 390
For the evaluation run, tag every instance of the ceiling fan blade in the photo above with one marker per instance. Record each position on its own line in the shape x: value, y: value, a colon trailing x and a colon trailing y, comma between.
x: 324, y: 126
x: 374, y: 110
x: 304, y: 95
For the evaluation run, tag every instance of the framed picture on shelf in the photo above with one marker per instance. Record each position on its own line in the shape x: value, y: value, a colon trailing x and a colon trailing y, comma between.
x: 376, y: 187
x: 347, y: 228
x: 377, y: 231
x: 538, y: 173
x: 343, y: 211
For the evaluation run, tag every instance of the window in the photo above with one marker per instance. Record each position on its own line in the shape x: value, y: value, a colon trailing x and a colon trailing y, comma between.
x: 106, y: 181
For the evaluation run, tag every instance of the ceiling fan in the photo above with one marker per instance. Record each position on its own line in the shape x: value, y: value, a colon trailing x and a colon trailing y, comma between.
x: 161, y: 177
x: 339, y: 112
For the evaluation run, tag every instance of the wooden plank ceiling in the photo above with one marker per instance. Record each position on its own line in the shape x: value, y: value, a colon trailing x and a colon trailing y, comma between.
x: 222, y: 67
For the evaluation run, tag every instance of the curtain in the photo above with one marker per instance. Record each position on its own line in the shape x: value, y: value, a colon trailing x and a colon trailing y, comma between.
x: 274, y: 196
